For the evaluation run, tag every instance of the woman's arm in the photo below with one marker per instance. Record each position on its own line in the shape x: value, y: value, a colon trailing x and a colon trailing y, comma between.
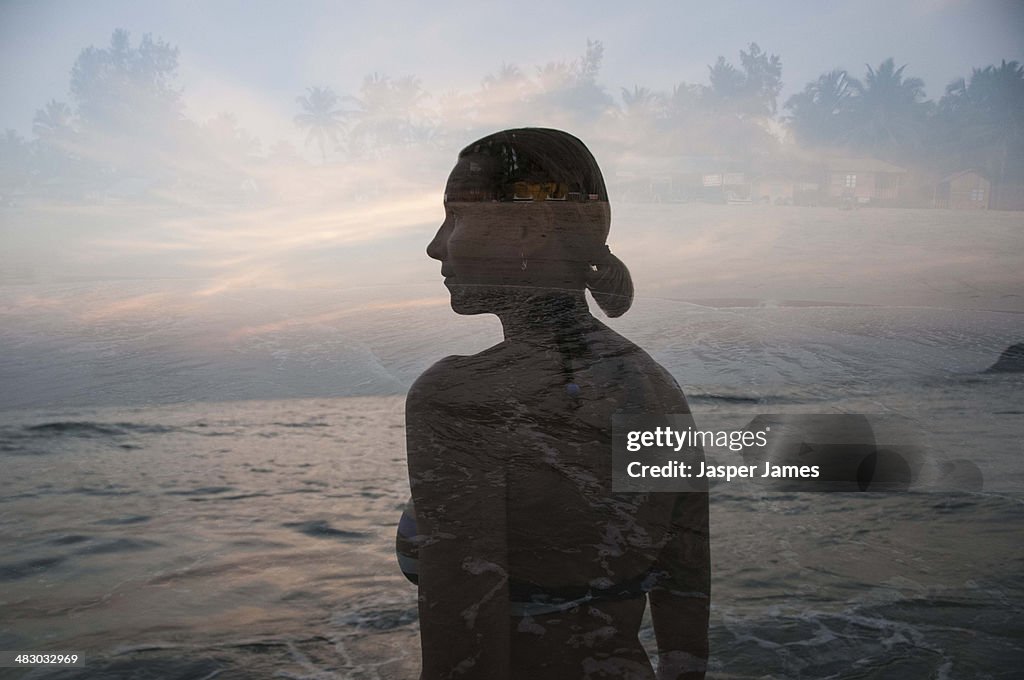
x: 681, y: 600
x: 458, y: 488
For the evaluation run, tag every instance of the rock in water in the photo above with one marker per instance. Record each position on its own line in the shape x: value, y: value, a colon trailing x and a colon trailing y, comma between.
x: 961, y: 475
x: 1010, y: 361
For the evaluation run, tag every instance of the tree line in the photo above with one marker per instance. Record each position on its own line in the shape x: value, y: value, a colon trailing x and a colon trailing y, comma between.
x: 126, y: 118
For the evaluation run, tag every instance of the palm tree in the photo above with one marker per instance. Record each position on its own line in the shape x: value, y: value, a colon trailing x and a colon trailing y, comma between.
x: 320, y: 117
x: 889, y: 109
x: 983, y: 120
x: 388, y: 112
x: 642, y: 104
x: 641, y: 114
x: 821, y: 113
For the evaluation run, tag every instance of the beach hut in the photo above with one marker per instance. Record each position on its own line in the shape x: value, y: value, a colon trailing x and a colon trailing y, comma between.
x: 864, y: 180
x: 964, y: 190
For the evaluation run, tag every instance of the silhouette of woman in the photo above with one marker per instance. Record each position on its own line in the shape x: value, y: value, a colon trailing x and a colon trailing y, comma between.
x: 528, y: 565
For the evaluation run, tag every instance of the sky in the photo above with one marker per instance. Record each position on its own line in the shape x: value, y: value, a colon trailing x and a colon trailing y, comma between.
x: 302, y: 269
x: 254, y: 58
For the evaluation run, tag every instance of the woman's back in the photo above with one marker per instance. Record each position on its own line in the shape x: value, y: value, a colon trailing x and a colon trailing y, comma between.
x: 533, y: 459
x: 566, y: 527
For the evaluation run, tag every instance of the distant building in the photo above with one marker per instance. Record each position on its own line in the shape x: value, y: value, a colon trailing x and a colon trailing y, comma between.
x: 865, y: 180
x: 785, y: 180
x: 965, y: 190
x: 658, y: 179
x: 784, y: 189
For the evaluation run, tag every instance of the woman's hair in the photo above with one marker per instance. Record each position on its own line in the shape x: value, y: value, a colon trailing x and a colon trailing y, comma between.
x: 531, y: 164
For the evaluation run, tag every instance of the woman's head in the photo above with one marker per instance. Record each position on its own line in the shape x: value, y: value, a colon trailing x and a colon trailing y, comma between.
x: 527, y: 209
x: 538, y: 160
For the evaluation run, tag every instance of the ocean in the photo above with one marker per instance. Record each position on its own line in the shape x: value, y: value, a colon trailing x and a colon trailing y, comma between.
x: 202, y: 453
x: 255, y: 538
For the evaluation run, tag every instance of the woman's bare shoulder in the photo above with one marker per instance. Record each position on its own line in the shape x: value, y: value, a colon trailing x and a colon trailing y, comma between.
x: 439, y: 376
x: 456, y: 377
x: 637, y: 366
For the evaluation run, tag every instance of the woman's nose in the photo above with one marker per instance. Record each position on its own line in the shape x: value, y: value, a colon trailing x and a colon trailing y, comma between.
x: 436, y: 247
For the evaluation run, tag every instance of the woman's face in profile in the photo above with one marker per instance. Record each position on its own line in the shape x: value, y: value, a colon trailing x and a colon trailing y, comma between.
x: 479, y: 246
x: 490, y: 250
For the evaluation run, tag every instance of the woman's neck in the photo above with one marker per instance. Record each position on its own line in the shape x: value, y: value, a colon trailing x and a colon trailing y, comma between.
x: 546, y: 318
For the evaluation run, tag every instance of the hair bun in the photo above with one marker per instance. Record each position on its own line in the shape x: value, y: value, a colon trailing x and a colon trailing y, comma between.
x: 611, y: 285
